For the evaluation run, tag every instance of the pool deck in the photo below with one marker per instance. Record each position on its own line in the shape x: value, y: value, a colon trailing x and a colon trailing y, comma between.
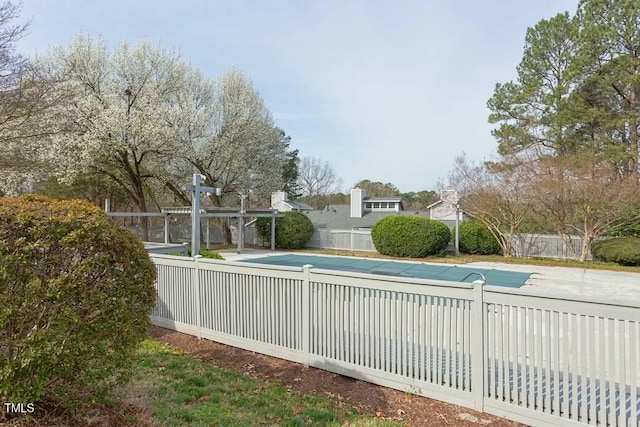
x: 616, y: 286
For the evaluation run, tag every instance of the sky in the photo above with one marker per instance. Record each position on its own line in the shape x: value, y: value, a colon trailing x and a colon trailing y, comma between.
x: 385, y: 90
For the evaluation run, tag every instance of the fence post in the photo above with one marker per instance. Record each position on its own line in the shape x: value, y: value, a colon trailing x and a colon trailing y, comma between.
x: 478, y: 365
x: 306, y: 313
x: 196, y: 293
x: 352, y: 237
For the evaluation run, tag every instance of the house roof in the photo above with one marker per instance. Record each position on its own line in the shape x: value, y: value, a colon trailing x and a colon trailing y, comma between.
x: 338, y: 217
x: 297, y: 205
x: 384, y: 199
x: 439, y: 202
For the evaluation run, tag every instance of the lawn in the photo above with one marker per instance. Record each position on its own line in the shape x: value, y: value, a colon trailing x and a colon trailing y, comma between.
x: 179, y: 390
x: 170, y: 388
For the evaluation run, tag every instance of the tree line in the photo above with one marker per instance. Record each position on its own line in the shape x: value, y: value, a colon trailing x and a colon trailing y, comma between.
x: 132, y: 123
x: 567, y: 131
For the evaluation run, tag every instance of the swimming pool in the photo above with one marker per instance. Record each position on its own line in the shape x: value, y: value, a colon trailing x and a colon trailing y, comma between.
x: 511, y: 279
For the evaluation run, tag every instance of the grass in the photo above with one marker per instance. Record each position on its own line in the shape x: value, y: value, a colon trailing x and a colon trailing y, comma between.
x: 182, y: 391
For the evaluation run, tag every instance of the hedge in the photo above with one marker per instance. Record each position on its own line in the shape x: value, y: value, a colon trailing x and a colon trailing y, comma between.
x: 76, y: 292
x: 622, y: 250
x: 293, y: 230
x: 475, y: 238
x: 410, y: 236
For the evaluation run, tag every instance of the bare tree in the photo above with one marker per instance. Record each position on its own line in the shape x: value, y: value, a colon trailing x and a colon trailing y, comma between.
x: 11, y: 62
x: 591, y: 199
x: 14, y: 110
x: 316, y: 179
x: 494, y: 195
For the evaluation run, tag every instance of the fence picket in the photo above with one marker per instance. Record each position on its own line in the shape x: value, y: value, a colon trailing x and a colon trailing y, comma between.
x: 534, y: 358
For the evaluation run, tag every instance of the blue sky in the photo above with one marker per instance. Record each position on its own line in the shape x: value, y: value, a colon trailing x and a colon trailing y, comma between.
x: 388, y: 91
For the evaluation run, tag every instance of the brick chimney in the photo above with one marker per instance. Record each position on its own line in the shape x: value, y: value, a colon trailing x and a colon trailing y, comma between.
x: 278, y: 197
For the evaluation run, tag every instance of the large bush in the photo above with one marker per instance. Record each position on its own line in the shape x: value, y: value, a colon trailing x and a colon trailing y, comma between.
x: 293, y: 230
x: 410, y: 236
x: 623, y: 250
x: 75, y: 296
x: 263, y: 229
x: 475, y: 238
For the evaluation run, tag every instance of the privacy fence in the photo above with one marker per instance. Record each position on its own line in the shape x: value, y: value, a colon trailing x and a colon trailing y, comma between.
x: 525, y: 245
x: 532, y: 358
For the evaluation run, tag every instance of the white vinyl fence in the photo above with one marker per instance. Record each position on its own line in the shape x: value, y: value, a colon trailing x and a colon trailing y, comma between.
x: 529, y: 357
x: 347, y: 240
x: 525, y: 245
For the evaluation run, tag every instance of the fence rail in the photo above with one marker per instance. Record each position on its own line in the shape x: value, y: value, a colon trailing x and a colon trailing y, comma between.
x: 529, y: 357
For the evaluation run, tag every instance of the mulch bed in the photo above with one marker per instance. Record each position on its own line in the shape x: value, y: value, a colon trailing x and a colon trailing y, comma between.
x: 366, y: 398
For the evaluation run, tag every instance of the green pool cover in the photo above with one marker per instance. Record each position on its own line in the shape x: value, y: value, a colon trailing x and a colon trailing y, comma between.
x: 494, y: 277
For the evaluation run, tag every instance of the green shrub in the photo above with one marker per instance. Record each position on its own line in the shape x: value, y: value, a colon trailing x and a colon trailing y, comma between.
x: 75, y: 296
x: 210, y: 254
x: 205, y: 254
x: 293, y: 230
x: 623, y: 250
x: 263, y: 229
x: 410, y: 236
x: 475, y: 238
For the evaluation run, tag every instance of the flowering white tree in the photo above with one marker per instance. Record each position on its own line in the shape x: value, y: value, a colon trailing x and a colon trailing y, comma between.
x: 230, y: 138
x: 118, y: 113
x: 146, y: 120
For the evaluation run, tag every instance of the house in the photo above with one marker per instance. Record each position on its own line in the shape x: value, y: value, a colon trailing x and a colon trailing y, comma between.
x: 363, y: 212
x: 446, y: 208
x: 281, y: 202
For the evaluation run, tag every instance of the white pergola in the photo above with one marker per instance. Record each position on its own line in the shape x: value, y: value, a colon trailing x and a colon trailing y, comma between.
x: 240, y: 214
x: 197, y: 212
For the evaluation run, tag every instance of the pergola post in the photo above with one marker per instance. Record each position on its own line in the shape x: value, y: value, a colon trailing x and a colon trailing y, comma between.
x: 208, y: 235
x: 195, y: 215
x: 166, y: 228
x: 240, y: 232
x: 195, y: 210
x: 273, y: 232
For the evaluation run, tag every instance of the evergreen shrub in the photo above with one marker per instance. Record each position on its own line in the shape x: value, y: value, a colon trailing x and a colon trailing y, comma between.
x: 410, y: 236
x: 622, y: 250
x: 76, y: 292
x: 475, y: 238
x: 293, y: 230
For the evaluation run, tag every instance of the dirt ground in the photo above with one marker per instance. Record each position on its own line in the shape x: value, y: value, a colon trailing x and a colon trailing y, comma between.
x: 386, y: 403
